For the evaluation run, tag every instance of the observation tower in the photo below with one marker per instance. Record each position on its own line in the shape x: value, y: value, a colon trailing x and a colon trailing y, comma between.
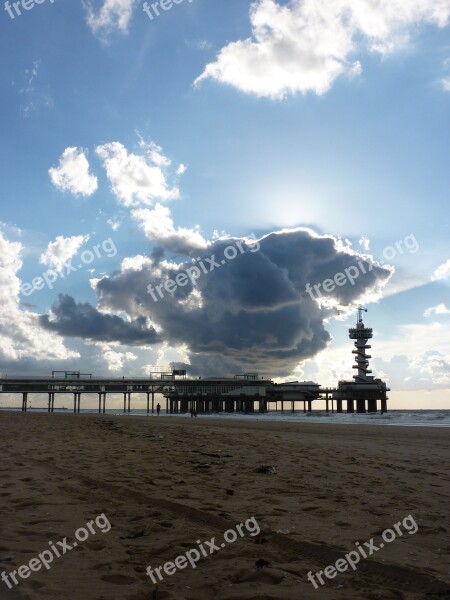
x: 361, y: 335
x: 365, y: 390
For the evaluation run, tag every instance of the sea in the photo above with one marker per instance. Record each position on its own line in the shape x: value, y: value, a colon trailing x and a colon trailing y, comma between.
x: 406, y: 418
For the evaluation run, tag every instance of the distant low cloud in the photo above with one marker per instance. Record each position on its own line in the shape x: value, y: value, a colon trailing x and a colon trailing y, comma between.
x: 442, y: 272
x: 427, y: 370
x: 73, y: 175
x: 137, y: 179
x: 106, y: 16
x: 62, y: 250
x: 305, y: 45
x: 440, y: 309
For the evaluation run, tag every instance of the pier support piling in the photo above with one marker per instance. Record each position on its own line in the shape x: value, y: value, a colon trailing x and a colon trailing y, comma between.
x: 360, y: 406
x: 371, y: 406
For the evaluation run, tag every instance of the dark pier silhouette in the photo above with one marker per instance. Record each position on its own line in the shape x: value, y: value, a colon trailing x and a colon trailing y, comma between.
x: 247, y: 393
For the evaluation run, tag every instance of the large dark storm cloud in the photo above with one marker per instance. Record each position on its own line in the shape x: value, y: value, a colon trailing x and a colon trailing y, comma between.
x: 81, y: 320
x: 251, y: 313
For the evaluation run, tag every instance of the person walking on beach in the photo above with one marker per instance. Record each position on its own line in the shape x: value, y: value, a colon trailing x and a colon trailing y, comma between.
x: 158, y: 408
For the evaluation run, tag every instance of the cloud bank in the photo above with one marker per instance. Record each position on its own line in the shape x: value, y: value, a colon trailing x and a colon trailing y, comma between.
x: 252, y: 313
x: 21, y: 337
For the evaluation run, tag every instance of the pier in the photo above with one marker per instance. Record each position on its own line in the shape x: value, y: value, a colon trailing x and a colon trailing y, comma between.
x: 247, y: 393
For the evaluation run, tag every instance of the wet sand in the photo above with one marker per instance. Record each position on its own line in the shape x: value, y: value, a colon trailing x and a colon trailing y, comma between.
x: 166, y: 483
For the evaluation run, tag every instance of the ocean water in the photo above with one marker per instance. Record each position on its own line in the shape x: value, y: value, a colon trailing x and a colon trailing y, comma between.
x: 410, y: 418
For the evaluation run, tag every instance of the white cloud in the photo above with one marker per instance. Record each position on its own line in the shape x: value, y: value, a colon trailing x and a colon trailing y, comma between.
x: 112, y: 15
x: 440, y: 309
x: 307, y: 44
x: 115, y: 361
x: 364, y: 242
x: 72, y: 174
x: 442, y: 272
x: 137, y: 178
x: 203, y: 45
x: 62, y: 250
x: 446, y: 84
x: 158, y: 226
x: 35, y: 94
x: 135, y: 263
x: 21, y: 337
x: 115, y: 225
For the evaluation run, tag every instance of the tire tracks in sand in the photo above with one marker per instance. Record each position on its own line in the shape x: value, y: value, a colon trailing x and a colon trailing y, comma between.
x: 370, y: 570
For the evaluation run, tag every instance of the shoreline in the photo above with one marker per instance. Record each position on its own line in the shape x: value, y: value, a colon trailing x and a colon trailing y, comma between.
x: 336, y: 419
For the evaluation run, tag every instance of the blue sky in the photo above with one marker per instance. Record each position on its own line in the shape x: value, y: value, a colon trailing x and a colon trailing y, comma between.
x: 242, y: 119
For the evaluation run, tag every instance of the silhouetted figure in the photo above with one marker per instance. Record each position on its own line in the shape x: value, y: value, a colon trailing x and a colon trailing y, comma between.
x: 158, y: 408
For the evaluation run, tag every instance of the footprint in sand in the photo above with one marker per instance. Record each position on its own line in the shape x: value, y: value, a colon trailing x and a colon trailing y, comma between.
x: 160, y: 595
x: 36, y: 585
x: 119, y: 579
x: 269, y: 576
x: 95, y: 545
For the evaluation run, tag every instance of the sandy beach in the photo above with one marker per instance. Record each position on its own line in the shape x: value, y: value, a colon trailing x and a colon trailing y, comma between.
x: 167, y: 484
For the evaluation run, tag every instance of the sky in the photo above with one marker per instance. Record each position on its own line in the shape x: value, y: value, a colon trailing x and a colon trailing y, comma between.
x: 219, y: 184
